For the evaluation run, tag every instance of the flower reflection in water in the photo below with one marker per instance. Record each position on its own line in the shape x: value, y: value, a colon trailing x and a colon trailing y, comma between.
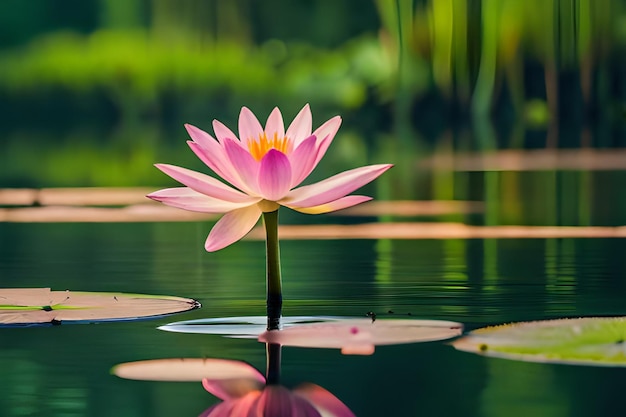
x: 243, y: 390
x: 307, y: 400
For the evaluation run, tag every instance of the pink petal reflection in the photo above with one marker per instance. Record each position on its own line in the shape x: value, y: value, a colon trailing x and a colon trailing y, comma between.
x: 225, y: 389
x: 272, y: 401
x: 359, y: 336
x: 323, y: 400
x: 190, y: 369
x: 237, y: 407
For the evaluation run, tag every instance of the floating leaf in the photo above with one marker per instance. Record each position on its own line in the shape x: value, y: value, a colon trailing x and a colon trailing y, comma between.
x: 360, y: 336
x: 24, y: 306
x: 597, y: 341
x: 240, y: 327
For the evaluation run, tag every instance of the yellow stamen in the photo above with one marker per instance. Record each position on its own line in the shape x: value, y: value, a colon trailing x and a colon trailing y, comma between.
x: 259, y: 147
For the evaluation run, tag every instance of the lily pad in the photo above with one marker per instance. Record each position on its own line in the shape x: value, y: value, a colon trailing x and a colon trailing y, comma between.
x: 360, y: 336
x: 238, y: 327
x: 596, y: 341
x: 31, y: 306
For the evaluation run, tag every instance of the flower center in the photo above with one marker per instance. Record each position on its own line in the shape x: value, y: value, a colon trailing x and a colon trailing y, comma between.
x: 259, y: 147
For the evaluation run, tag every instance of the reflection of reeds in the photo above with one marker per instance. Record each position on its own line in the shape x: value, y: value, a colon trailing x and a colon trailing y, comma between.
x: 482, y: 46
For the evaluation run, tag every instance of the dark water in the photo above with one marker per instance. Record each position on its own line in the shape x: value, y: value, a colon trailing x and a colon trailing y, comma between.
x: 65, y: 370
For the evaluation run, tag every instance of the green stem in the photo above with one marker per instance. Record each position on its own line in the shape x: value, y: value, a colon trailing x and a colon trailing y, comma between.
x: 274, y: 282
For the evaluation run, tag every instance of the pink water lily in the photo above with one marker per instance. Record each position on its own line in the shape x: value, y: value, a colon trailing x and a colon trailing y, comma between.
x: 264, y: 166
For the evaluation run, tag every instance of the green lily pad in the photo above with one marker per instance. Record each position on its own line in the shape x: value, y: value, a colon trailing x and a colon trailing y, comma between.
x: 594, y: 341
x: 32, y: 306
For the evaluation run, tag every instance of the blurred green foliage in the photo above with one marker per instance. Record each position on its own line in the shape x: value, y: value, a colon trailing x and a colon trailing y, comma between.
x: 102, y: 87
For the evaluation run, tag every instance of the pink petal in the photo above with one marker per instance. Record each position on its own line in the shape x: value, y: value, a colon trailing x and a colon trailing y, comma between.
x: 334, y: 187
x: 323, y: 400
x: 326, y: 133
x: 231, y: 227
x: 302, y: 160
x: 213, y: 155
x: 275, y: 125
x: 218, y: 161
x: 225, y: 389
x: 222, y: 132
x: 340, y: 204
x: 187, y: 199
x: 203, y: 183
x: 300, y: 128
x: 249, y: 126
x: 275, y: 175
x: 200, y: 136
x: 244, y: 164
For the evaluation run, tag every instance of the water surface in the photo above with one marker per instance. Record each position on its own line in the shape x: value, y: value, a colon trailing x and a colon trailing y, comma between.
x: 64, y: 370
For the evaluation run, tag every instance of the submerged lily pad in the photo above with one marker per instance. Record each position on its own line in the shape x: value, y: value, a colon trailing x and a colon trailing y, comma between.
x: 360, y: 336
x: 239, y: 327
x: 29, y: 306
x: 597, y: 341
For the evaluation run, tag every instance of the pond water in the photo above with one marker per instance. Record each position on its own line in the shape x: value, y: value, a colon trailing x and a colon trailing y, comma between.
x: 65, y: 370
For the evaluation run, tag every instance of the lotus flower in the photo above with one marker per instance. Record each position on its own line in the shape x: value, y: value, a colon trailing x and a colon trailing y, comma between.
x: 307, y: 400
x: 264, y: 166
